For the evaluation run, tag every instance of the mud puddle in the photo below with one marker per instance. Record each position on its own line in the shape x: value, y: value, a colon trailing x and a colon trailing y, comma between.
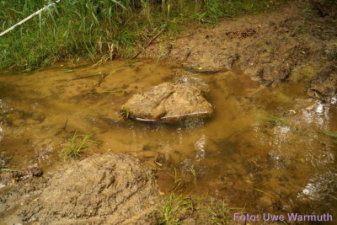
x: 265, y: 150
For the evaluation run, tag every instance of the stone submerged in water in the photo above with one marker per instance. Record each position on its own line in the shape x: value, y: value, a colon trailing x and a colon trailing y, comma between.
x: 324, y: 85
x: 167, y: 102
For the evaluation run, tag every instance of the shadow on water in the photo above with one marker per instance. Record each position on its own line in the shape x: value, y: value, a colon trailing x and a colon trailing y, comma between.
x: 265, y: 150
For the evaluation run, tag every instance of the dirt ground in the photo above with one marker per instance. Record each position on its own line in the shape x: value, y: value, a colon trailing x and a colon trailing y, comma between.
x: 103, y: 189
x: 267, y: 47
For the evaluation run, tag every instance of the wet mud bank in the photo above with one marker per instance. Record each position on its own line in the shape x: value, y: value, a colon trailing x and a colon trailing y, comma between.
x: 268, y: 47
x: 102, y: 189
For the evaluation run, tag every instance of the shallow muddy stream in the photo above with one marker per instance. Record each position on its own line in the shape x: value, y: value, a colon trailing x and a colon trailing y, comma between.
x: 264, y: 150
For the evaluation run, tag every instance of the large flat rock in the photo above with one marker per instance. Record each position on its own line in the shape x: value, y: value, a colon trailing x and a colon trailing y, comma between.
x: 168, y: 102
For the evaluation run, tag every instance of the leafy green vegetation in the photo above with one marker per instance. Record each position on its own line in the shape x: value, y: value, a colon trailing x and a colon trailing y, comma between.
x: 177, y: 209
x: 124, y: 113
x: 330, y: 133
x: 102, y: 29
x: 8, y: 170
x: 76, y: 144
x: 220, y: 213
x: 173, y: 207
x: 275, y: 119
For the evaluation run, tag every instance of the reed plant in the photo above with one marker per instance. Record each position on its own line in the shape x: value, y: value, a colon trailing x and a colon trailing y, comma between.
x: 76, y: 144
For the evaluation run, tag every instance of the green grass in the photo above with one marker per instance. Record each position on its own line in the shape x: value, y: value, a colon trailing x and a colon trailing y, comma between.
x: 101, y: 29
x: 175, y: 207
x: 330, y: 133
x: 275, y: 119
x: 220, y: 214
x: 124, y: 113
x: 8, y: 170
x: 76, y: 144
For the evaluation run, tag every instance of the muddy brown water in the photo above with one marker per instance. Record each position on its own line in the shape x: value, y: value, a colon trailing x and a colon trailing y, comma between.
x: 265, y: 150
